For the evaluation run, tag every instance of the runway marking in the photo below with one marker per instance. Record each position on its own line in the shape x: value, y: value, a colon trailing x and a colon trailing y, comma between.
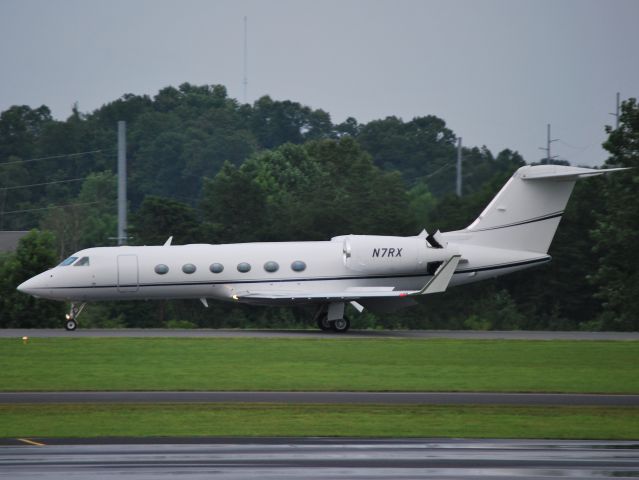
x: 31, y: 442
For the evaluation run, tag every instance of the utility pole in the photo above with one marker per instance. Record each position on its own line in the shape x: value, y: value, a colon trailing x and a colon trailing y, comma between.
x: 122, y: 229
x: 4, y: 200
x: 616, y: 114
x: 459, y: 167
x: 245, y: 81
x: 549, y: 157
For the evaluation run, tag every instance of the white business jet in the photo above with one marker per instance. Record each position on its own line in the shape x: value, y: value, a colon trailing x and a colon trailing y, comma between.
x: 379, y: 273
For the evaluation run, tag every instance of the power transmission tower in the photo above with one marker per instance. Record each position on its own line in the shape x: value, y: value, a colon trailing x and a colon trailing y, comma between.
x: 549, y: 157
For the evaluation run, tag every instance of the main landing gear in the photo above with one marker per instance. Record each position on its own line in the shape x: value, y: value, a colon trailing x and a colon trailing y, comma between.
x: 72, y: 316
x: 337, y: 325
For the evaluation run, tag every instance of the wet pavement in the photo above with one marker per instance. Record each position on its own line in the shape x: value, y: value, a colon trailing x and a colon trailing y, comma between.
x: 315, y: 458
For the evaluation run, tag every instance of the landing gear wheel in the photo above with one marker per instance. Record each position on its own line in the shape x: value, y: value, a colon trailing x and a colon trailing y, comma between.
x: 340, y: 326
x: 323, y: 324
x: 72, y: 316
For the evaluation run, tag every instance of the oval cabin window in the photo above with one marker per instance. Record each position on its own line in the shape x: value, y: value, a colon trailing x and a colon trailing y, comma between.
x: 243, y: 267
x: 298, y: 266
x: 161, y: 269
x: 188, y: 268
x: 271, y: 267
x: 216, y: 268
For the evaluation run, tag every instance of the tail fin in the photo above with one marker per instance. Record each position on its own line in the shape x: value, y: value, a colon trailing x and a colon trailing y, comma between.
x: 525, y: 214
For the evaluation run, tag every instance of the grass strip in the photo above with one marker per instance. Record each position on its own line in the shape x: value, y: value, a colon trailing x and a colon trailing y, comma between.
x: 58, y: 364
x: 72, y: 420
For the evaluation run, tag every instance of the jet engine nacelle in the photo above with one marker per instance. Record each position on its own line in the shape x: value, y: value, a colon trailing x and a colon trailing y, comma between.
x: 381, y: 255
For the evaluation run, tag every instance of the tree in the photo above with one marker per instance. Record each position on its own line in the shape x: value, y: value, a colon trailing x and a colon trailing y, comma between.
x: 308, y: 192
x: 35, y: 253
x: 12, y: 199
x: 422, y: 203
x: 20, y: 127
x: 616, y: 235
x: 348, y: 127
x: 232, y: 206
x: 275, y: 123
x: 158, y: 218
x: 422, y: 147
x: 90, y: 219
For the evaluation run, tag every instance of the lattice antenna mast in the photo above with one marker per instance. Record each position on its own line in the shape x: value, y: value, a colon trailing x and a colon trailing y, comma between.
x: 245, y: 80
x: 549, y: 157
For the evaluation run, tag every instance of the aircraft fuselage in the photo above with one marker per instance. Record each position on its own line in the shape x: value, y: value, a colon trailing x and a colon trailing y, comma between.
x: 380, y: 273
x: 131, y: 272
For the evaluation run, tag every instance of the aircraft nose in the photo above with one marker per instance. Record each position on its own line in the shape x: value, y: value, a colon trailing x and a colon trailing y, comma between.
x: 30, y: 286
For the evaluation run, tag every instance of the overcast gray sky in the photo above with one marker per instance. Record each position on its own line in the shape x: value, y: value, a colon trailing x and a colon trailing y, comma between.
x: 496, y: 71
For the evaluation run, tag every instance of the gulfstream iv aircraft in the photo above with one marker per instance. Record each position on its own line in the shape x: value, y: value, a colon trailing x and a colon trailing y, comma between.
x: 379, y: 273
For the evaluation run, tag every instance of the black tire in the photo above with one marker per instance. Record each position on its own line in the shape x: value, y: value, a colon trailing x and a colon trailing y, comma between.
x: 71, y: 325
x: 341, y: 326
x: 323, y: 324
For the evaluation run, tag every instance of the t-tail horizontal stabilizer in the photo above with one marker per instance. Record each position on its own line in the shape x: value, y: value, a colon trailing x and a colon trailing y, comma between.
x: 441, y: 279
x: 565, y: 173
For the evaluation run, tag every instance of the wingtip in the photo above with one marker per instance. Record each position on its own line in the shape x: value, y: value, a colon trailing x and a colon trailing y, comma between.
x: 441, y: 279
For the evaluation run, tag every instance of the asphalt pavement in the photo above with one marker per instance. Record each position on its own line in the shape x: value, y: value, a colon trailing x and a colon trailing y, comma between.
x: 367, y: 398
x: 315, y: 458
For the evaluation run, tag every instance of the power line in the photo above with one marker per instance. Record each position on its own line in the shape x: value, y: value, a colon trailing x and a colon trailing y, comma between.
x: 574, y: 146
x: 66, y: 155
x: 446, y: 165
x: 18, y: 187
x: 49, y: 208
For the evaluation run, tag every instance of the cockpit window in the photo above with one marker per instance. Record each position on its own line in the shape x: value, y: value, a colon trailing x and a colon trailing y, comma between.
x: 83, y: 262
x: 68, y: 261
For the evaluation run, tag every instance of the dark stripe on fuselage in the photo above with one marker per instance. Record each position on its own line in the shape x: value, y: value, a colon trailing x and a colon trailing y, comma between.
x: 523, y: 222
x: 317, y: 279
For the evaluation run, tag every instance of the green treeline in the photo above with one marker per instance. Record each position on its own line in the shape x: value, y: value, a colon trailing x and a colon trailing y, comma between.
x: 208, y: 169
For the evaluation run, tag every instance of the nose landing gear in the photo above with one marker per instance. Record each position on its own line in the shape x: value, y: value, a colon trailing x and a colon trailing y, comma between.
x: 72, y: 316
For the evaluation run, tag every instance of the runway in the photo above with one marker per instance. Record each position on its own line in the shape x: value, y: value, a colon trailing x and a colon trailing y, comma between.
x: 317, y: 458
x: 353, y: 334
x: 368, y: 398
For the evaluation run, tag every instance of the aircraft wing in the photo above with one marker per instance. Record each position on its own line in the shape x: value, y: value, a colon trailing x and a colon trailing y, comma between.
x: 437, y: 284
